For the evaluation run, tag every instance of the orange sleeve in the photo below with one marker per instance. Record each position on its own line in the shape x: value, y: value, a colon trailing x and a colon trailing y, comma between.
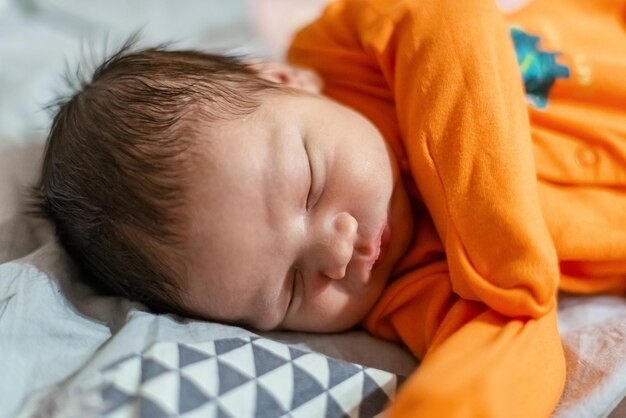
x: 461, y: 110
x: 476, y: 362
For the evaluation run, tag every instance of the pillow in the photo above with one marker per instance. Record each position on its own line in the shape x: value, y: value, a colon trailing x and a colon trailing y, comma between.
x: 238, y: 377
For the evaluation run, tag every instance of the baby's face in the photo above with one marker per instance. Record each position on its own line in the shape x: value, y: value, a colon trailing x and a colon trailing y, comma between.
x: 298, y: 216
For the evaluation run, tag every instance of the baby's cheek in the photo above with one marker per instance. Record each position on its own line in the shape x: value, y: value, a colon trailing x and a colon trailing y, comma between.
x: 338, y: 313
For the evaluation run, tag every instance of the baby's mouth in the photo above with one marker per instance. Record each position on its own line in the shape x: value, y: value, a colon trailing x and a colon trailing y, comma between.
x: 381, y: 243
x: 383, y: 246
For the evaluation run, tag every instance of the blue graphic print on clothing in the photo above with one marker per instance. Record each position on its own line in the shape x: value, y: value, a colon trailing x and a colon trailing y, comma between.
x: 539, y: 68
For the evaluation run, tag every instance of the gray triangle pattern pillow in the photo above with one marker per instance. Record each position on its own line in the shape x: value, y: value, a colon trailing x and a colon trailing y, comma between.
x: 241, y: 377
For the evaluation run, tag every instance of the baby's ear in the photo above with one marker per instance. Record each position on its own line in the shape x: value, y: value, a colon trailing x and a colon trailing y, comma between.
x: 297, y: 77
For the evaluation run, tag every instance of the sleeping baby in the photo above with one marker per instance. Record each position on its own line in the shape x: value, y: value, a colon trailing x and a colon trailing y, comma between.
x: 421, y: 170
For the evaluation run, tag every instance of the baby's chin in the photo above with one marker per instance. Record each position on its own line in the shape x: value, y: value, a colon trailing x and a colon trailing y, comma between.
x: 330, y: 326
x: 355, y: 311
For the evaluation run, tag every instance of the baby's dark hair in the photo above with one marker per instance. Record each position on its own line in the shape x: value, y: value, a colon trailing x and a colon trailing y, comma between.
x: 116, y: 161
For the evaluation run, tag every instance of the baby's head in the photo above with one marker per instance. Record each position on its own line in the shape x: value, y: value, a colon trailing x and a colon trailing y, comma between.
x: 208, y: 187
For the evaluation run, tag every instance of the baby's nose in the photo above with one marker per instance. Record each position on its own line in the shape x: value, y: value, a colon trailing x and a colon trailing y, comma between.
x: 338, y: 246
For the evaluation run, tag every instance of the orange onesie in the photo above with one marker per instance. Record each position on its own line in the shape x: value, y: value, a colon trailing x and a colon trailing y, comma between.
x: 506, y: 210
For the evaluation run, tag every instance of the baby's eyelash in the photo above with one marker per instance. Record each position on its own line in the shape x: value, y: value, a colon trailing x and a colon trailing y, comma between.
x: 315, y: 190
x: 293, y: 288
x: 308, y: 197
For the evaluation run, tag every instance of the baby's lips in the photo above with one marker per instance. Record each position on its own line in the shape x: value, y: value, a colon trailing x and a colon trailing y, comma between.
x: 384, y: 245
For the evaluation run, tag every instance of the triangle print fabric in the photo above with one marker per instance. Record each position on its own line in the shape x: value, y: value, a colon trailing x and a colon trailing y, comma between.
x: 241, y: 377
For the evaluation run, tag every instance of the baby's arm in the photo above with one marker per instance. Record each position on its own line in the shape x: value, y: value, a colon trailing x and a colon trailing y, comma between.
x: 476, y: 361
x: 451, y: 74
